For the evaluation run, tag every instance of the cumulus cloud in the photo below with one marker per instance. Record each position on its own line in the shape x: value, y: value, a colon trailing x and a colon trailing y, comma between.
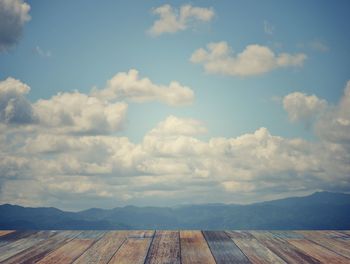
x: 129, y: 85
x: 172, y: 20
x: 79, y: 113
x: 61, y: 162
x: 173, y: 125
x: 63, y: 113
x: 334, y: 125
x: 303, y: 107
x: 14, y: 107
x: 331, y: 122
x: 255, y: 59
x: 171, y: 165
x: 13, y: 15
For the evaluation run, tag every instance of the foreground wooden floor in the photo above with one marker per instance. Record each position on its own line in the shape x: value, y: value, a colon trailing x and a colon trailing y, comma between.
x: 133, y: 247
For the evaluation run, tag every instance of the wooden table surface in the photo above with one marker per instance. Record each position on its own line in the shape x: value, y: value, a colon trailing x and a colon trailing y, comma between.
x: 174, y: 247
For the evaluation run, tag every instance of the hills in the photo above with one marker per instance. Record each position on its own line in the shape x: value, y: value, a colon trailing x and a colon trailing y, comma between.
x: 321, y: 210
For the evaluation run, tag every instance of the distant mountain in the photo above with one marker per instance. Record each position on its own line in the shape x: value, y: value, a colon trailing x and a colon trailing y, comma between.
x: 321, y: 210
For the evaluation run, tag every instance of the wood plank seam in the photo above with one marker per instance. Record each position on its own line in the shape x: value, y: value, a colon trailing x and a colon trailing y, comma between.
x: 126, y: 237
x: 211, y: 251
x: 88, y: 247
x: 237, y: 245
x: 149, y: 247
x: 290, y: 246
x: 180, y: 246
x: 59, y: 244
x: 116, y: 250
x: 328, y: 248
x: 290, y: 242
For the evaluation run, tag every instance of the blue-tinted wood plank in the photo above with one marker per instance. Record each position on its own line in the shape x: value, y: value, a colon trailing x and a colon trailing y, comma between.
x: 223, y: 248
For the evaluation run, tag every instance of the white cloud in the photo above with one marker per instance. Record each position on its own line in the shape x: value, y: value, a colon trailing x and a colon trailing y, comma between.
x: 13, y: 15
x: 79, y: 113
x: 303, y: 107
x: 174, y: 126
x: 170, y: 166
x: 14, y: 107
x: 59, y: 162
x: 172, y: 20
x: 334, y: 125
x: 331, y: 122
x: 63, y: 113
x: 255, y: 59
x: 128, y: 85
x: 173, y: 137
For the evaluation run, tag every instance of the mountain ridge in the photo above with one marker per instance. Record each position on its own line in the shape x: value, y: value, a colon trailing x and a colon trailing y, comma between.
x: 320, y: 210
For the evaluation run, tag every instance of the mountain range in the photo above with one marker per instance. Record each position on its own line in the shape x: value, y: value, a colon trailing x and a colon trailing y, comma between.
x: 321, y: 210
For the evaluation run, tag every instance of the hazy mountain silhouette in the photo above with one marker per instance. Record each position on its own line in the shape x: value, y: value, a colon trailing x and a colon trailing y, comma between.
x: 321, y: 210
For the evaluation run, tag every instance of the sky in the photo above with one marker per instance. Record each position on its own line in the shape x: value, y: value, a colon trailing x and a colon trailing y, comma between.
x: 162, y: 103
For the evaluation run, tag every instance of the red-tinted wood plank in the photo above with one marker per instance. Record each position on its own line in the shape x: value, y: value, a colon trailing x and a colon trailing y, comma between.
x: 5, y: 232
x: 194, y: 248
x: 134, y: 249
x: 70, y: 251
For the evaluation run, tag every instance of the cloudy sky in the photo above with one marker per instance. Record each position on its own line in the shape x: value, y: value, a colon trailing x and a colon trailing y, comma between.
x: 111, y: 103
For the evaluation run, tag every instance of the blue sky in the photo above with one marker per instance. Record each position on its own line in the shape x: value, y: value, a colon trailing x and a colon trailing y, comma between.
x: 69, y: 46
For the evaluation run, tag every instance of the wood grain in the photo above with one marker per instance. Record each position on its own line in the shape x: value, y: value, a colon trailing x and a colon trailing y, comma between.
x: 134, y: 249
x: 338, y: 245
x: 194, y: 248
x: 103, y: 250
x: 317, y: 251
x: 223, y: 248
x: 5, y: 232
x: 40, y: 250
x: 256, y: 252
x: 70, y: 251
x: 283, y: 249
x: 165, y: 248
x: 17, y: 246
x: 205, y: 247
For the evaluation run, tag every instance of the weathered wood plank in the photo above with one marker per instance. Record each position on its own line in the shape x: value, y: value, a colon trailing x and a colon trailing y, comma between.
x: 134, y: 249
x: 17, y: 246
x: 13, y: 236
x: 16, y: 235
x: 223, y: 248
x: 338, y: 235
x: 334, y: 244
x: 319, y: 252
x: 70, y: 251
x: 165, y: 248
x: 5, y: 232
x: 194, y: 248
x: 283, y: 249
x: 43, y: 248
x: 256, y: 252
x: 103, y: 250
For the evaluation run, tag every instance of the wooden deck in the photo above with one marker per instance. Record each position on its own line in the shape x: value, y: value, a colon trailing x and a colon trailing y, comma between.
x: 175, y: 247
